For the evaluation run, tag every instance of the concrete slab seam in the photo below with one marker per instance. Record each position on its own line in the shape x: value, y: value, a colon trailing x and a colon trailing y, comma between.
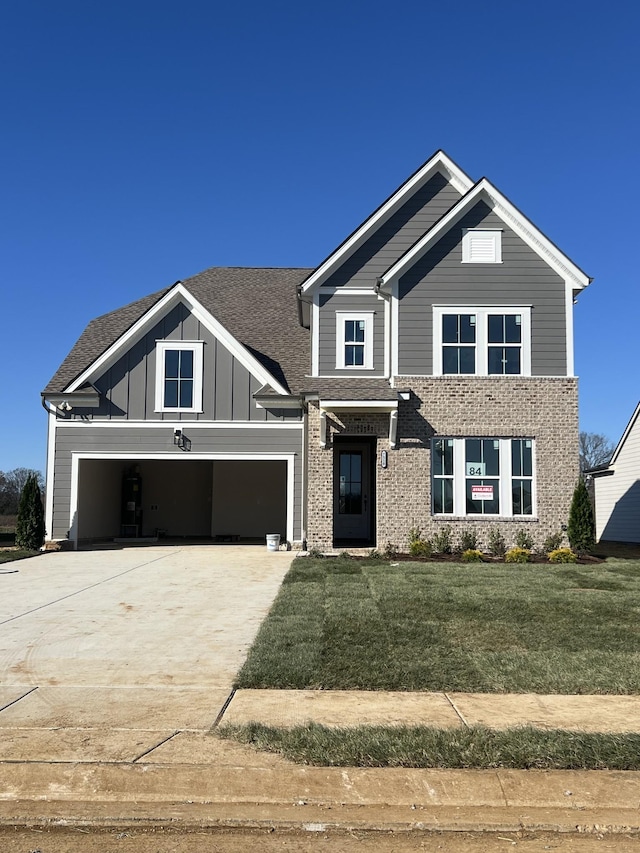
x: 223, y: 710
x: 24, y: 695
x: 155, y: 746
x: 452, y: 703
x: 84, y: 589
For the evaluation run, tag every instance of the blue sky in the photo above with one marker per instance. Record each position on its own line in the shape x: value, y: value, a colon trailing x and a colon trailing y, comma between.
x: 144, y: 141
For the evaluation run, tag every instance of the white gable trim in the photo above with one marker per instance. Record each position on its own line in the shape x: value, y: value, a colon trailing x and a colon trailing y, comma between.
x: 511, y: 216
x: 619, y: 446
x: 438, y: 163
x: 178, y: 293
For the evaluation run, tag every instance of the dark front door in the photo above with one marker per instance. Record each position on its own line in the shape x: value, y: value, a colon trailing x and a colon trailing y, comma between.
x: 353, y: 494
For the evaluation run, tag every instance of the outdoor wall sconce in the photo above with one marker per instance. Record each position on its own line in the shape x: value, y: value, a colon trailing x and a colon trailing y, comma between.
x: 180, y: 440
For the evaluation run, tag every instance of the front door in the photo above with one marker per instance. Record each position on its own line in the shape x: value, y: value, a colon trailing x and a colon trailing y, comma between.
x: 353, y: 495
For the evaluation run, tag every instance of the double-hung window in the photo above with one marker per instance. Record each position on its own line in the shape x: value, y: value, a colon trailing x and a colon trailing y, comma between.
x: 482, y: 341
x: 179, y: 376
x: 354, y: 340
x: 482, y: 476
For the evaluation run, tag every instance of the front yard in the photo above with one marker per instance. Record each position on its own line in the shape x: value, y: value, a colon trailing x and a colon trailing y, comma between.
x: 491, y: 627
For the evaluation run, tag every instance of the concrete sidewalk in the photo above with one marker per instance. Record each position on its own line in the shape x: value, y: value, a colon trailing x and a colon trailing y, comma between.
x: 192, y: 778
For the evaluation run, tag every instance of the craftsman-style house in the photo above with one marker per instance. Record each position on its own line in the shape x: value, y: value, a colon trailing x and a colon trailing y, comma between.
x: 421, y: 375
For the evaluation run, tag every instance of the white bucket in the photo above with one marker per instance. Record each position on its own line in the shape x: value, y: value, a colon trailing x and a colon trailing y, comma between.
x: 273, y: 541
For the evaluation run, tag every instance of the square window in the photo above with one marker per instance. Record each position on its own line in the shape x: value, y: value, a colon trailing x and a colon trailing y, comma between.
x: 482, y: 341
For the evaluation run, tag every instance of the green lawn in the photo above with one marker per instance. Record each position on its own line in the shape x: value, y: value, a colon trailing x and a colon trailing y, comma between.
x: 17, y: 554
x: 489, y: 627
x: 421, y: 746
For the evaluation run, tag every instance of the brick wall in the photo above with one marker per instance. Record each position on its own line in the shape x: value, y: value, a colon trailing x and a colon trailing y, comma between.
x: 545, y: 409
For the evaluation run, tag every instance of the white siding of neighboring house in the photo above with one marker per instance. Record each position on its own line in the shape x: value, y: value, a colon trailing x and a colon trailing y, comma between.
x: 617, y: 495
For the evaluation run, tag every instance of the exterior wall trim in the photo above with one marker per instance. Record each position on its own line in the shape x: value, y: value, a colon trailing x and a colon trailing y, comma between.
x: 289, y: 458
x: 169, y: 425
x: 52, y: 423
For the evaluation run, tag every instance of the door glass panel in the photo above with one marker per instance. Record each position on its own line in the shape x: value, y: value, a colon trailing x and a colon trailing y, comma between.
x: 350, y: 491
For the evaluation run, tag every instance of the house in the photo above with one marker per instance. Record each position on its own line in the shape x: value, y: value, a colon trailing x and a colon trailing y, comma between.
x: 421, y: 375
x: 617, y: 488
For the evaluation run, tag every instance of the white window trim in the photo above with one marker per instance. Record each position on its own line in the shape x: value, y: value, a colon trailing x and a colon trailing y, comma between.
x: 341, y: 318
x: 504, y: 480
x: 196, y: 347
x: 482, y: 342
x: 496, y: 236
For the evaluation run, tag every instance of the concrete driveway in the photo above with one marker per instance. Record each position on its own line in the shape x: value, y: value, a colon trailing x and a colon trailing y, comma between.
x: 105, y: 654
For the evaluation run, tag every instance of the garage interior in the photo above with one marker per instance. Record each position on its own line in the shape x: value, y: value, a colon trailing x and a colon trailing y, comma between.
x: 217, y: 500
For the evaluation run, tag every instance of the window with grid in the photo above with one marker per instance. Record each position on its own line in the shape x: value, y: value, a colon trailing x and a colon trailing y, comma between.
x: 179, y: 376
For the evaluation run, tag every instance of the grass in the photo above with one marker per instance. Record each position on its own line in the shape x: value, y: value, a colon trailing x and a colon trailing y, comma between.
x: 474, y: 748
x: 16, y: 554
x: 489, y: 627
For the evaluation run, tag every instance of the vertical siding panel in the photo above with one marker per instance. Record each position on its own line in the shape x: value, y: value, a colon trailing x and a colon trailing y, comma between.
x: 240, y: 391
x: 224, y: 367
x: 137, y: 381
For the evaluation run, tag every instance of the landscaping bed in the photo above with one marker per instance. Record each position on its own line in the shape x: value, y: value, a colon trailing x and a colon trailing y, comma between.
x: 374, y: 624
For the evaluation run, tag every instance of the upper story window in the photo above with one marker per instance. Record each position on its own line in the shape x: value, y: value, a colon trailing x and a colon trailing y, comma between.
x: 482, y: 476
x: 179, y: 376
x: 481, y: 246
x: 482, y: 341
x: 354, y: 340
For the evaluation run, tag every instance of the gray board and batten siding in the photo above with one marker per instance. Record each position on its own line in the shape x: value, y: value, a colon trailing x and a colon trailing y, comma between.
x: 522, y: 279
x: 329, y: 305
x: 128, y: 387
x: 91, y: 438
x: 397, y: 234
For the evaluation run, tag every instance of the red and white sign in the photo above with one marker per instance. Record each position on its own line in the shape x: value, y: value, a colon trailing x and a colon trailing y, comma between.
x: 481, y: 493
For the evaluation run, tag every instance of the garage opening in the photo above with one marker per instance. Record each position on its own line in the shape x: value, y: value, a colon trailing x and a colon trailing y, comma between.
x: 219, y: 500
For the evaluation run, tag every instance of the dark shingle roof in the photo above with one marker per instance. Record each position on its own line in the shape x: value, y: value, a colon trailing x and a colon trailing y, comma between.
x: 257, y: 306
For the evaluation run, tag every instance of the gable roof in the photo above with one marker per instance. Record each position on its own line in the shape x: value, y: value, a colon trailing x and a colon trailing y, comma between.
x: 250, y: 303
x: 634, y: 417
x: 439, y: 162
x: 514, y: 218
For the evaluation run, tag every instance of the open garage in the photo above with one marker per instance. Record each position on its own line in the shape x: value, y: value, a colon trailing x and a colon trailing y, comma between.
x: 224, y: 499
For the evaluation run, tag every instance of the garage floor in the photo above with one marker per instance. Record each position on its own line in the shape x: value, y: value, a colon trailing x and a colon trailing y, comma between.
x: 119, y: 649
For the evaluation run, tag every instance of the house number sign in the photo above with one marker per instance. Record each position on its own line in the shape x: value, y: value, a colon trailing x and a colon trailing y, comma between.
x: 476, y: 469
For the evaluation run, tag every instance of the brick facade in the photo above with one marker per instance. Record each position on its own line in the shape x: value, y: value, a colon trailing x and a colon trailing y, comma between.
x: 544, y: 409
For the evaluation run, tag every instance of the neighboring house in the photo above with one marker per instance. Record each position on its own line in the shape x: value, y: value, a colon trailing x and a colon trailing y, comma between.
x: 422, y: 375
x: 617, y: 488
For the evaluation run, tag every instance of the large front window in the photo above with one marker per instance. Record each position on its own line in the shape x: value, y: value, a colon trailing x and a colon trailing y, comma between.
x: 482, y: 476
x: 482, y: 341
x: 179, y: 376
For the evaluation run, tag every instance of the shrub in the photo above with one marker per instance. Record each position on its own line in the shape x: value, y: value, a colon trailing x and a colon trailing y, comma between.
x: 374, y: 554
x: 468, y: 540
x: 497, y: 545
x: 390, y: 551
x: 472, y: 555
x: 562, y: 555
x: 443, y: 540
x: 344, y: 555
x: 524, y: 540
x: 30, y: 523
x: 419, y: 547
x: 553, y: 542
x: 517, y: 555
x: 581, y: 529
x: 315, y: 552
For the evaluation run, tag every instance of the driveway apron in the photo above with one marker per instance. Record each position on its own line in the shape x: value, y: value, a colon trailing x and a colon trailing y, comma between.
x: 104, y: 654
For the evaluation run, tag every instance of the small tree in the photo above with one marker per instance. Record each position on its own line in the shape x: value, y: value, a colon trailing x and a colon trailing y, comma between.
x: 30, y: 523
x: 581, y: 529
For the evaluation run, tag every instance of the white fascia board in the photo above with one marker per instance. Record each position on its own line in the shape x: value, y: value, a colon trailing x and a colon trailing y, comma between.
x: 359, y: 405
x: 177, y: 293
x: 49, y: 483
x: 511, y: 216
x: 629, y: 427
x: 438, y: 163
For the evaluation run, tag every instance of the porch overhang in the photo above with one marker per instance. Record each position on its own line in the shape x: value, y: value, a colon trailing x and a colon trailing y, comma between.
x: 360, y: 407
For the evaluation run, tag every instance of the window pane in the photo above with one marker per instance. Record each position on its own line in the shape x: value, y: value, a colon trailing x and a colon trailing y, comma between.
x: 495, y: 360
x: 354, y: 331
x: 496, y: 329
x: 186, y: 394
x: 467, y: 329
x: 353, y: 355
x: 473, y: 450
x: 491, y: 453
x: 512, y: 360
x: 467, y: 359
x: 443, y: 456
x: 512, y: 329
x: 522, y: 497
x: 443, y: 496
x: 449, y: 359
x: 450, y: 329
x: 483, y: 507
x: 171, y: 360
x: 171, y: 393
x: 186, y: 364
